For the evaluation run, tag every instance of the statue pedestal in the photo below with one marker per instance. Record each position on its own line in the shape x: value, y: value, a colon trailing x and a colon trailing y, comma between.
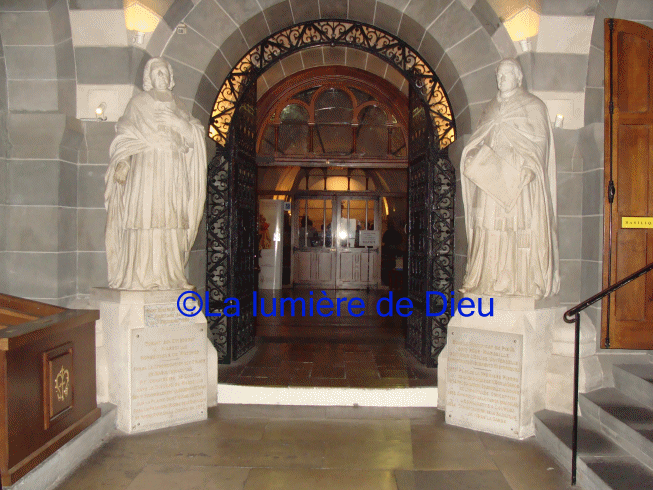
x: 160, y: 364
x: 492, y: 375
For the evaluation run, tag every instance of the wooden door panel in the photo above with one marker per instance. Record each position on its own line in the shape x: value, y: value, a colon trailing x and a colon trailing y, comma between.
x: 631, y: 256
x: 357, y: 268
x: 633, y: 72
x: 346, y: 267
x: 325, y: 268
x: 627, y: 317
x: 632, y: 171
x: 303, y: 264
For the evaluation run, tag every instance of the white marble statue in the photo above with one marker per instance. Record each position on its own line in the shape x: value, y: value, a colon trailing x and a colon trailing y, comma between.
x: 155, y: 187
x: 509, y: 193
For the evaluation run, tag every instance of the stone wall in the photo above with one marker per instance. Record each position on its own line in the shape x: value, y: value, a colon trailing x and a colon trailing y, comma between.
x: 43, y: 137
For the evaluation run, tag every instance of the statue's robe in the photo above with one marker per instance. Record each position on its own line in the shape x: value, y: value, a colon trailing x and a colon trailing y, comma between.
x: 512, y: 249
x: 152, y: 219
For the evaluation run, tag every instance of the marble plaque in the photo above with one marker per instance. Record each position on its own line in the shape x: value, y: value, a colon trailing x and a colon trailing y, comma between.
x: 168, y: 374
x: 159, y: 315
x: 484, y: 380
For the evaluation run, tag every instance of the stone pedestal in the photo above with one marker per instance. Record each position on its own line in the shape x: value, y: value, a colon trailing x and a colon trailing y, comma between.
x: 492, y: 373
x: 158, y: 361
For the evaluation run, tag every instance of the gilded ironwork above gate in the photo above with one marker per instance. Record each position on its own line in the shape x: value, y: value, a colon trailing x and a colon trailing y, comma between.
x: 345, y: 33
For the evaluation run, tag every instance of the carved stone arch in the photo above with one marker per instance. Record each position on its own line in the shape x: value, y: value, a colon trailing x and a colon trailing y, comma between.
x: 231, y: 208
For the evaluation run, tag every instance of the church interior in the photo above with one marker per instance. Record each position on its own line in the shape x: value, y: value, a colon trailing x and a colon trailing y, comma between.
x: 329, y: 131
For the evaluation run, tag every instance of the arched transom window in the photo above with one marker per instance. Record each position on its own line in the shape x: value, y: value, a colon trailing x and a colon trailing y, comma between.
x: 335, y: 118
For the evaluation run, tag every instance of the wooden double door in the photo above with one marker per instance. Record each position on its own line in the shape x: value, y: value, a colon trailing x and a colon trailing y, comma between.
x: 336, y: 241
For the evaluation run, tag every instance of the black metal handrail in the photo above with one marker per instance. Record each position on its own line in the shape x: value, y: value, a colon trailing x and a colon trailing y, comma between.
x: 573, y: 316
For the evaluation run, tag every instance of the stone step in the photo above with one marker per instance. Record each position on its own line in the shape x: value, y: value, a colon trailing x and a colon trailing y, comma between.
x: 635, y: 381
x: 624, y: 420
x: 602, y: 464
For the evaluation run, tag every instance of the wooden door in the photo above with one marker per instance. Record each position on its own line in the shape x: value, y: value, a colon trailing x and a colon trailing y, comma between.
x: 314, y: 257
x: 358, y: 238
x: 627, y: 321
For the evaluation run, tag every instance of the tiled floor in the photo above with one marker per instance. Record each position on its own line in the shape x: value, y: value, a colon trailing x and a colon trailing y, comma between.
x: 254, y: 447
x: 338, y: 351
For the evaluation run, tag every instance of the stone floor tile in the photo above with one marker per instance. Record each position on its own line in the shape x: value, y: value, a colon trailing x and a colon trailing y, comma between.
x: 446, y: 455
x: 328, y: 371
x: 319, y: 479
x: 138, y: 446
x: 271, y: 412
x: 392, y: 372
x: 339, y: 431
x: 330, y: 382
x: 530, y: 468
x: 358, y: 412
x: 388, y: 383
x: 104, y: 472
x: 388, y: 455
x: 442, y: 433
x: 451, y: 480
x: 189, y: 478
x: 242, y: 453
x: 259, y: 372
x: 249, y: 429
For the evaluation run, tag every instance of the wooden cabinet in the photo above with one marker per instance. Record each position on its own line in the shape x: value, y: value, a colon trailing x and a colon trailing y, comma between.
x: 47, y: 381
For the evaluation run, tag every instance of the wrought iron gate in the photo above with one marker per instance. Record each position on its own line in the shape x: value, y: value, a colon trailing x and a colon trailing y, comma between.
x: 431, y: 190
x: 231, y: 233
x: 231, y: 214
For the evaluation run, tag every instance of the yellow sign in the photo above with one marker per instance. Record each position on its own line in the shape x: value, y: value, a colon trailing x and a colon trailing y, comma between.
x: 636, y: 222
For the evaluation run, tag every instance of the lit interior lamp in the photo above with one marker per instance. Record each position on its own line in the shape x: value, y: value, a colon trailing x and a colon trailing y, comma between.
x: 343, y: 234
x: 100, y: 112
x: 560, y: 119
x: 523, y: 25
x: 140, y: 18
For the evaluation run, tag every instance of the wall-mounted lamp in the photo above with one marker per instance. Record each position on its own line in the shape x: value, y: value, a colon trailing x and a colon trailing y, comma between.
x: 523, y: 25
x: 100, y: 112
x: 138, y: 37
x: 559, y: 121
x: 140, y: 19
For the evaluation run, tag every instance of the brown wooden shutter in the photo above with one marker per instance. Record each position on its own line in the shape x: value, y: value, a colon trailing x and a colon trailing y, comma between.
x: 628, y: 164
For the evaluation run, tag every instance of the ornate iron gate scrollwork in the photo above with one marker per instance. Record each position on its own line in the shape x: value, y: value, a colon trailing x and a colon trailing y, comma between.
x: 336, y: 32
x: 431, y: 190
x: 231, y: 234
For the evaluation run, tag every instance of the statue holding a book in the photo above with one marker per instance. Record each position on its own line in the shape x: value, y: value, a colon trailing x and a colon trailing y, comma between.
x: 509, y: 193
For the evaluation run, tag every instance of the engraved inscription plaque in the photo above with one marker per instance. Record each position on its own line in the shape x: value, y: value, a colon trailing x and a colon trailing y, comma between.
x: 168, y: 376
x: 484, y: 380
x: 165, y: 314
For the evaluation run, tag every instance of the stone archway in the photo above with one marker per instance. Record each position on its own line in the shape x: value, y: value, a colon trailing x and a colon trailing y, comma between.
x: 346, y: 33
x: 232, y: 181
